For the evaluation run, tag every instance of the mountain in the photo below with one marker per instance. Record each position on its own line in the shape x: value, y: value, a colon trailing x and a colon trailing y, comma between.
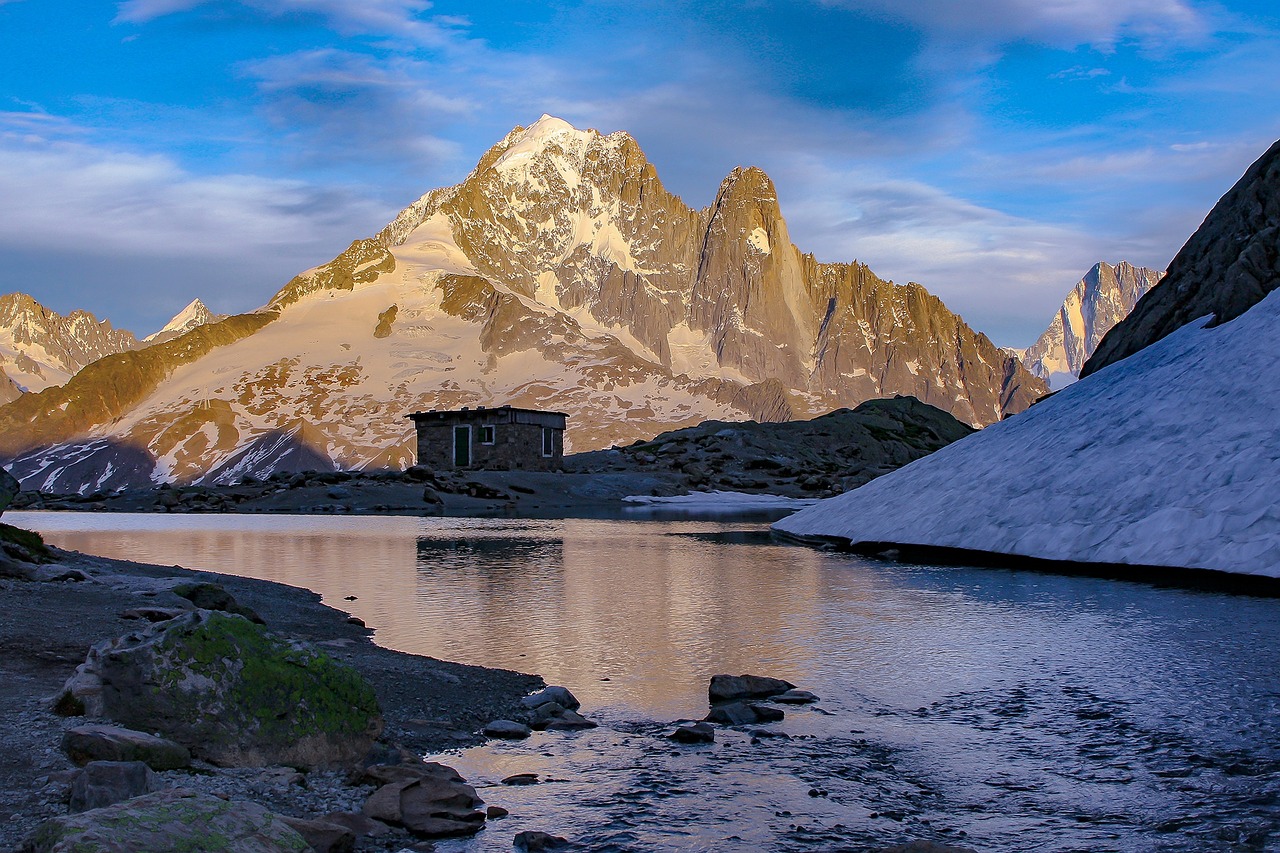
x: 559, y: 274
x: 1229, y: 265
x: 40, y: 348
x: 1156, y: 460
x: 195, y: 314
x: 1104, y: 297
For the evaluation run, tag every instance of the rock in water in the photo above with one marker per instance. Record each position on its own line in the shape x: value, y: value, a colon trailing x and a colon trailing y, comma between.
x: 533, y: 841
x: 175, y: 819
x: 726, y: 688
x: 9, y: 488
x: 232, y: 693
x: 430, y: 800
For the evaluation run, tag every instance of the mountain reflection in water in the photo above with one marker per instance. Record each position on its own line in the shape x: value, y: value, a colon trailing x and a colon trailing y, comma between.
x: 994, y: 709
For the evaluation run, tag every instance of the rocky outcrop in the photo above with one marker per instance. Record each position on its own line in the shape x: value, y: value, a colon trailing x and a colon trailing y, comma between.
x: 174, y: 819
x: 829, y: 454
x: 40, y: 348
x: 230, y: 692
x: 1229, y: 265
x: 9, y: 488
x: 1104, y: 297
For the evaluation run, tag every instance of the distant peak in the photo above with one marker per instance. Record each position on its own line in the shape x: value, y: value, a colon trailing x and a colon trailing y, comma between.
x: 195, y: 314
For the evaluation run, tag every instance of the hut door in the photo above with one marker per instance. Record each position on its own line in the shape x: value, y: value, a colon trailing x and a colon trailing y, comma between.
x: 462, y: 446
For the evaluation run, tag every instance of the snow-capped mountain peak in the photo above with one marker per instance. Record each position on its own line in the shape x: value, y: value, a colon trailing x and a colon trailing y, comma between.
x: 195, y: 314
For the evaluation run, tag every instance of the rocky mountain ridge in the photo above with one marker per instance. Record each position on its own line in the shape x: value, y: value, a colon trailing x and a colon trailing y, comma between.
x: 40, y: 348
x: 1104, y: 297
x: 559, y: 274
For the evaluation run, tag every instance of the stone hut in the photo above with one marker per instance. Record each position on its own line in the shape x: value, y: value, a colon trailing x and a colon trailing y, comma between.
x: 502, y: 439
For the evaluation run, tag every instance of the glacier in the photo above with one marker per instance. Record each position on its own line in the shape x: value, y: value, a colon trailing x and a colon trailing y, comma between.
x: 1169, y: 458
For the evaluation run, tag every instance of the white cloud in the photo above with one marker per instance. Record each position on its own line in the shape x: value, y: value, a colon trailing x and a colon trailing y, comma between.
x: 71, y: 195
x: 396, y: 18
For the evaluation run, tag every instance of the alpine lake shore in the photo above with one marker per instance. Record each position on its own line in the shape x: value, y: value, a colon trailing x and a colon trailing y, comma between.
x: 241, y: 714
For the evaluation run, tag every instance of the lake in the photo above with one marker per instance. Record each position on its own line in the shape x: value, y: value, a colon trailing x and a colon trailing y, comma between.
x: 995, y: 709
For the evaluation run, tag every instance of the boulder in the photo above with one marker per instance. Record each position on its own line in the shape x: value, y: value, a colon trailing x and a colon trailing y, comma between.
x: 323, y: 836
x: 727, y: 688
x: 9, y: 488
x: 533, y: 841
x: 436, y: 803
x: 732, y: 714
x: 693, y: 733
x: 230, y: 692
x: 743, y: 714
x: 560, y: 695
x: 211, y: 596
x: 83, y: 744
x: 360, y: 825
x: 508, y: 730
x: 175, y: 819
x: 104, y: 783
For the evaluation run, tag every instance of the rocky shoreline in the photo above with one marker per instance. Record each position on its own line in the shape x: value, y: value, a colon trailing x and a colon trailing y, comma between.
x: 54, y: 611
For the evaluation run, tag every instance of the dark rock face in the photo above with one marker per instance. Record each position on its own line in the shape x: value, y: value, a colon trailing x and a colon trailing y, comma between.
x: 9, y: 489
x: 231, y: 693
x: 175, y: 819
x: 1227, y: 267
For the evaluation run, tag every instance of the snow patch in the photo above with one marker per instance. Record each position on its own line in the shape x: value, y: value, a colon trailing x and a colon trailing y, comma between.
x: 759, y: 240
x: 1156, y: 460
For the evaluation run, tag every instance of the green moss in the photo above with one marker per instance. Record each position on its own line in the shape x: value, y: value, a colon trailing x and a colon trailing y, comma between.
x: 287, y: 693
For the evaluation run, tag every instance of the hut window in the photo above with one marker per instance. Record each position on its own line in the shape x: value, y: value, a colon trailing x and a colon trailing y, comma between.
x: 548, y: 441
x: 486, y: 434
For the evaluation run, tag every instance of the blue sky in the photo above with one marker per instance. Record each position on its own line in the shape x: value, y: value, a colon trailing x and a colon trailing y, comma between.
x: 152, y: 151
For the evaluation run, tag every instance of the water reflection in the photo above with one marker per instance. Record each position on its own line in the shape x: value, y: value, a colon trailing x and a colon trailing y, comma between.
x: 1024, y: 710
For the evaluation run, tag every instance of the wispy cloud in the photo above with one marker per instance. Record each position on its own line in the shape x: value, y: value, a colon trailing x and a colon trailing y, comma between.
x: 1057, y: 23
x: 337, y: 104
x: 394, y: 18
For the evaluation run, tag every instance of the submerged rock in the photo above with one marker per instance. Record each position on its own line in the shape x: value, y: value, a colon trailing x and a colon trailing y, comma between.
x: 743, y: 714
x: 176, y: 819
x: 230, y: 692
x: 693, y: 733
x: 533, y: 841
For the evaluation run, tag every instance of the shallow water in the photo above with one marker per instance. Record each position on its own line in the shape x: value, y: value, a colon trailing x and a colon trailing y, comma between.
x: 995, y: 709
